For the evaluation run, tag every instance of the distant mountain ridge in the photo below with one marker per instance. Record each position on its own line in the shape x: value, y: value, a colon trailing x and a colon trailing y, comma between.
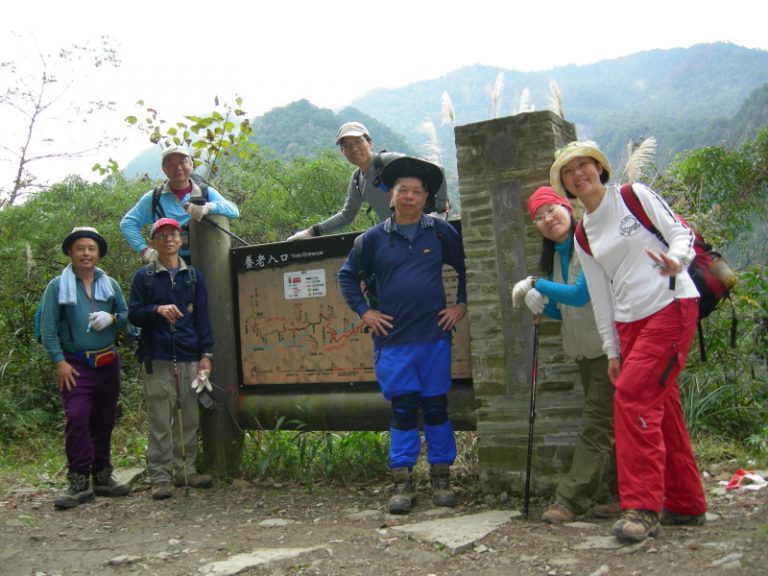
x: 303, y: 129
x: 670, y: 94
x: 686, y: 97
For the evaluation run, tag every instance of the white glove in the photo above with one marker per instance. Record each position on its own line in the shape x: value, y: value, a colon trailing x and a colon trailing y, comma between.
x: 300, y: 235
x: 202, y: 382
x: 100, y: 320
x: 197, y: 211
x: 148, y: 255
x: 536, y: 301
x: 521, y: 289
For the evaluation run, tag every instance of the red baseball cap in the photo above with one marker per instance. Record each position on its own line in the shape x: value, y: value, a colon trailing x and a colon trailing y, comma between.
x: 164, y: 222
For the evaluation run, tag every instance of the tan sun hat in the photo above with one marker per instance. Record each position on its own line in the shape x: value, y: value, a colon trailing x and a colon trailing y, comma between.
x: 576, y: 149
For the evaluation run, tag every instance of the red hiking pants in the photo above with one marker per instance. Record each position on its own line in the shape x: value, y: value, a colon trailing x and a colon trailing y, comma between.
x: 656, y: 466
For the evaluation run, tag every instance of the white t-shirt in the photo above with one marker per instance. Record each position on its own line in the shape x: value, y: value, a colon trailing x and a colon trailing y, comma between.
x: 623, y: 282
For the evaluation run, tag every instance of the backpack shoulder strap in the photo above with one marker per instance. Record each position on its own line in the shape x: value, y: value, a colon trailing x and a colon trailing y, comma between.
x: 157, y: 209
x: 581, y: 238
x: 149, y: 278
x: 192, y: 279
x: 378, y: 168
x: 201, y: 183
x: 357, y: 245
x: 634, y: 205
x: 358, y: 176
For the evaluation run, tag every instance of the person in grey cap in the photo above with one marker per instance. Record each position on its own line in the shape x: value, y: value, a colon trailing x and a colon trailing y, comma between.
x: 365, y: 183
x: 411, y: 323
x: 181, y: 197
x: 80, y: 314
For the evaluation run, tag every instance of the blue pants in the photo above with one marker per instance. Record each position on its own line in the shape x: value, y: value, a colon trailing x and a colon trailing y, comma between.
x: 417, y: 376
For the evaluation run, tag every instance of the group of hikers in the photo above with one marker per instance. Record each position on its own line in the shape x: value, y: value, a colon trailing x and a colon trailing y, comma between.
x: 627, y: 307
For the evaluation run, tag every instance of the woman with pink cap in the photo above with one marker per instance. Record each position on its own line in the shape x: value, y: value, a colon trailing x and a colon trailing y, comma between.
x: 561, y: 293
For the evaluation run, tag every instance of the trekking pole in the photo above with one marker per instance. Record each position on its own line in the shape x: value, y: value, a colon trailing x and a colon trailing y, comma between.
x: 207, y: 220
x: 531, y: 414
x: 183, y: 448
x: 232, y: 234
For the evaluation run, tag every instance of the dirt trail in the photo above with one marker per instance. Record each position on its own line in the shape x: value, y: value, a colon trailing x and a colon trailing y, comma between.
x: 352, y: 535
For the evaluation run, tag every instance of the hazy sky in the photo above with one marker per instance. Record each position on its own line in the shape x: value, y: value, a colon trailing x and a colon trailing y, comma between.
x: 177, y: 56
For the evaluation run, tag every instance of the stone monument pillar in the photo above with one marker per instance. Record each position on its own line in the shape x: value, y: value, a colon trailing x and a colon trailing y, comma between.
x: 500, y: 163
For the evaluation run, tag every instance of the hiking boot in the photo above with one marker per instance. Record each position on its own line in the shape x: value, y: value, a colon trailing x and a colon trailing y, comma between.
x: 440, y: 479
x: 673, y: 519
x: 405, y: 492
x: 606, y: 510
x: 195, y: 481
x: 79, y: 491
x: 104, y: 484
x: 558, y: 513
x: 636, y: 525
x: 161, y: 490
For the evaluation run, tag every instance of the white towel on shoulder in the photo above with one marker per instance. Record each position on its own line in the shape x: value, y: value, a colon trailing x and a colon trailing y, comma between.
x: 102, y: 287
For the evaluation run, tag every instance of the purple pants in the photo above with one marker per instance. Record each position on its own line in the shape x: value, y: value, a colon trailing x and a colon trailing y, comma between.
x: 89, y: 409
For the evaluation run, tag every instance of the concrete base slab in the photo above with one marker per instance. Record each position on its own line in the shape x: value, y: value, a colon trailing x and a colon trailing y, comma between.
x: 241, y: 562
x: 459, y: 532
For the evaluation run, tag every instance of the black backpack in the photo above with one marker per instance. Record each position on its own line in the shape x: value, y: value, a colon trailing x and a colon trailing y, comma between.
x: 157, y: 209
x: 705, y: 269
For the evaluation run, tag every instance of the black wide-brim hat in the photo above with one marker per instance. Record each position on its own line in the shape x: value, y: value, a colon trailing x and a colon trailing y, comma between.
x: 84, y: 232
x: 430, y: 174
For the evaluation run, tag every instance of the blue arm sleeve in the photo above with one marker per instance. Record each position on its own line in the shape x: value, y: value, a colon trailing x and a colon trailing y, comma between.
x: 349, y: 282
x: 576, y: 294
x: 135, y: 219
x: 222, y: 206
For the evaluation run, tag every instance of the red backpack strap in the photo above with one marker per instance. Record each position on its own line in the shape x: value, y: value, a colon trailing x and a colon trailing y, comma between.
x: 581, y: 238
x: 634, y: 205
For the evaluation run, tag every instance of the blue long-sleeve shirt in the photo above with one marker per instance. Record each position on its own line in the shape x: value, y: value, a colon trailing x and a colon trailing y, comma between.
x: 571, y: 294
x: 72, y: 334
x: 408, y: 278
x: 141, y: 213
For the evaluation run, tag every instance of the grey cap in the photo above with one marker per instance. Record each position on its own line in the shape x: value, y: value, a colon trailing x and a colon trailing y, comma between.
x: 176, y: 149
x: 351, y: 129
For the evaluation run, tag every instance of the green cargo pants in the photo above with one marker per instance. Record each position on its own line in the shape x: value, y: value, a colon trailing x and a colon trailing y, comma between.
x: 593, y: 461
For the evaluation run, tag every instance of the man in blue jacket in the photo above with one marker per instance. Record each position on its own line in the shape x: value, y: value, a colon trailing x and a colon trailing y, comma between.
x: 169, y: 303
x: 412, y: 324
x: 81, y: 312
x: 175, y: 202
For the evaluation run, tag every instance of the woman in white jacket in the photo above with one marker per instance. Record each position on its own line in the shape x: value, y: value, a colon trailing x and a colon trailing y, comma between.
x: 561, y: 293
x: 646, y: 308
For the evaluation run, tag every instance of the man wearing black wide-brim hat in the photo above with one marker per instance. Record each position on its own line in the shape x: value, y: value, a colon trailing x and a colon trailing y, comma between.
x: 411, y: 324
x: 81, y: 312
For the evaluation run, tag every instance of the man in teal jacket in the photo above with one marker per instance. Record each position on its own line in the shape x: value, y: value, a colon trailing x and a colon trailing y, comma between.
x: 82, y: 310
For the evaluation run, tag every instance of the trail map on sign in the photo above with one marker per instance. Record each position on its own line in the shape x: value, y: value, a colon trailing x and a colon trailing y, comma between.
x: 294, y: 326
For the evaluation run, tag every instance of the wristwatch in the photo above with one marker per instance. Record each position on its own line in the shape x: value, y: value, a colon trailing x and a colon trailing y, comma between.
x: 208, y: 355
